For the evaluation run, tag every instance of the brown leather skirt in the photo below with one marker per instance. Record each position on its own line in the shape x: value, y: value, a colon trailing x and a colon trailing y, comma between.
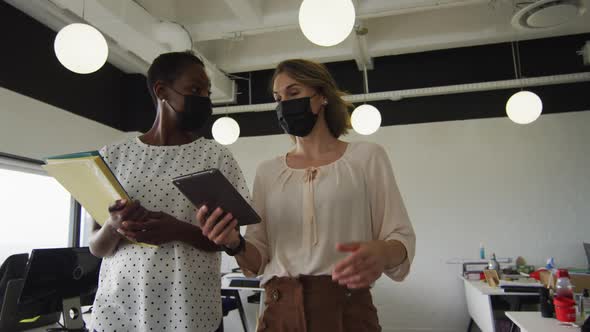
x: 316, y: 303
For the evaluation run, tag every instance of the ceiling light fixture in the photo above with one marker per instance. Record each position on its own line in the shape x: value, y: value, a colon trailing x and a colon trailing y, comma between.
x: 226, y: 130
x: 326, y: 22
x: 366, y: 119
x: 524, y: 106
x: 80, y: 47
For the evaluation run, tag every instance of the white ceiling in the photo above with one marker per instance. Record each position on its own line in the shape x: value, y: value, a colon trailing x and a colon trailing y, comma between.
x: 244, y: 35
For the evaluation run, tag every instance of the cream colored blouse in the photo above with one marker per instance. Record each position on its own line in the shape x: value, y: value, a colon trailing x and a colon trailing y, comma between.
x: 306, y: 212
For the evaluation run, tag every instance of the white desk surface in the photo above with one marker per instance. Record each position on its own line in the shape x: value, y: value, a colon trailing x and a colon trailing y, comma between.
x: 477, y: 260
x: 483, y: 287
x: 534, y: 322
x: 225, y: 280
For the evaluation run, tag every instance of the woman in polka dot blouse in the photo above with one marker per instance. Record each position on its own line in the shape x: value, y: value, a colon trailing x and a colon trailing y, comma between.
x: 175, y: 286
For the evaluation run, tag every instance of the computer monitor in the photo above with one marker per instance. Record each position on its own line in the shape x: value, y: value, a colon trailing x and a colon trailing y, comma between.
x: 63, y: 280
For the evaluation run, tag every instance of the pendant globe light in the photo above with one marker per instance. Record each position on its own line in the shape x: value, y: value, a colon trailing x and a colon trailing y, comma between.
x: 225, y: 130
x: 81, y: 48
x: 523, y: 107
x: 366, y: 119
x: 326, y: 22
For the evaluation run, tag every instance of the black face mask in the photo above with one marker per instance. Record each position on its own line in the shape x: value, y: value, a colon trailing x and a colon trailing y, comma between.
x: 197, y: 110
x: 295, y: 116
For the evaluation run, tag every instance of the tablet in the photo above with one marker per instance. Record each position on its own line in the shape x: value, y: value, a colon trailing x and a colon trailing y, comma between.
x: 212, y: 189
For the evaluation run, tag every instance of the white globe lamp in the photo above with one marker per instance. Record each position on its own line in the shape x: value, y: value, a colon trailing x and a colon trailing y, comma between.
x: 326, y: 22
x: 524, y: 107
x: 366, y: 119
x: 81, y: 48
x: 226, y: 130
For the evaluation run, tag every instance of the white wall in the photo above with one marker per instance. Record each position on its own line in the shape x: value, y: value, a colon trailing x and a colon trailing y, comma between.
x: 521, y: 190
x: 34, y: 129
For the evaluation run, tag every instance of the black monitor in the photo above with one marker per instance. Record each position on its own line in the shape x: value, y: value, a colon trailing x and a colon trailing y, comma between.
x: 62, y: 280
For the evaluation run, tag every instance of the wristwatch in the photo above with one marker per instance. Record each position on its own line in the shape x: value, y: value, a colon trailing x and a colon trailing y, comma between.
x: 236, y: 250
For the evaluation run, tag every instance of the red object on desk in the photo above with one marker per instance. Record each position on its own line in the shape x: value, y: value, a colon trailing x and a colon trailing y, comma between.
x: 565, y: 309
x: 537, y: 274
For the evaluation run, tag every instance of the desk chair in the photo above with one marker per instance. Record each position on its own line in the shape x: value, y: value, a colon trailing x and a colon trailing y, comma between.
x: 11, y: 283
x: 12, y: 268
x: 230, y: 300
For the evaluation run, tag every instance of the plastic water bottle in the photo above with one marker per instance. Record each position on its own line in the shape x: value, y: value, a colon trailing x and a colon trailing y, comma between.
x: 563, y: 286
x: 494, y: 265
x: 482, y: 251
x: 550, y: 264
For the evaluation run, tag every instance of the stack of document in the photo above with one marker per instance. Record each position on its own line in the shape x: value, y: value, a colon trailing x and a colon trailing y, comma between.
x: 89, y: 180
x: 521, y: 283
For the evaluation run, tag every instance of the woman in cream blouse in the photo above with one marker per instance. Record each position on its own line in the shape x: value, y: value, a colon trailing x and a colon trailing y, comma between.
x: 333, y: 220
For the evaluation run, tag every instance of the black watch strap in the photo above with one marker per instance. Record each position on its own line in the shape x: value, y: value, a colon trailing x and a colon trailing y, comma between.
x: 236, y: 250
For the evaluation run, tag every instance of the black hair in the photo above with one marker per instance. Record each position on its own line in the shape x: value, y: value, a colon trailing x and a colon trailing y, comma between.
x: 168, y: 67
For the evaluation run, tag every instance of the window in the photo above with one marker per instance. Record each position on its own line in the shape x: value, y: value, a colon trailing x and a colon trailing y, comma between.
x: 86, y: 225
x: 35, y: 209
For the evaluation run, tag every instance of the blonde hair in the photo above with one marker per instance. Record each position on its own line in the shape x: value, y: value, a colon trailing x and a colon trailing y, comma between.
x: 317, y: 76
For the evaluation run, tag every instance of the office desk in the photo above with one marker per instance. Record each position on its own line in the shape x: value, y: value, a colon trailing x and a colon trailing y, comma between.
x: 87, y: 317
x: 478, y: 295
x: 534, y: 322
x: 225, y: 284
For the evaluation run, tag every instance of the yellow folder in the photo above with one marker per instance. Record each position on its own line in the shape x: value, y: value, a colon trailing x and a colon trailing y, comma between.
x: 89, y: 180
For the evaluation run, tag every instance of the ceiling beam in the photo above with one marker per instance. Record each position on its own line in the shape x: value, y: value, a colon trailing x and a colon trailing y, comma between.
x: 160, y: 9
x: 396, y: 95
x: 248, y: 11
